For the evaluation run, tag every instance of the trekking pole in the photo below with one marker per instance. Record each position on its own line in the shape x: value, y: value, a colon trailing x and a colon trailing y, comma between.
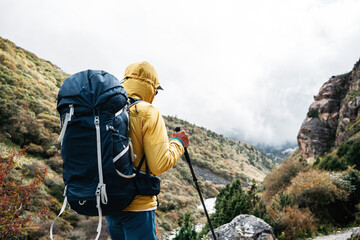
x: 177, y: 129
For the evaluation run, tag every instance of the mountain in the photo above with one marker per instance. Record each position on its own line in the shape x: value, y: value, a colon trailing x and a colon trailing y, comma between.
x: 278, y: 153
x: 333, y: 117
x: 317, y: 189
x: 28, y: 118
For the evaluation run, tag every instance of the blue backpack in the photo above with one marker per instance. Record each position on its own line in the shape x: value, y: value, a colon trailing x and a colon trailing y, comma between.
x: 97, y: 154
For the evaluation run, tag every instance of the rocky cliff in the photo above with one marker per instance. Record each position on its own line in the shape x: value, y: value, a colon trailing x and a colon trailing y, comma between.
x: 333, y: 117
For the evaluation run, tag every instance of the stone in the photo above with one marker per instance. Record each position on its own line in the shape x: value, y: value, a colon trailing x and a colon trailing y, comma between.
x: 244, y: 227
x: 355, y: 234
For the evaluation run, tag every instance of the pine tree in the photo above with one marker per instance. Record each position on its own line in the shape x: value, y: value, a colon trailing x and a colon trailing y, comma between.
x: 231, y: 202
x: 187, y: 230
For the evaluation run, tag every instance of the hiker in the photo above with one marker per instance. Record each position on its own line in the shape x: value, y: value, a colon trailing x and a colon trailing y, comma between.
x: 149, y: 138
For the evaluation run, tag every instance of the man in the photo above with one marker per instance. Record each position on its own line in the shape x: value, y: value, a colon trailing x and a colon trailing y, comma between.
x: 149, y: 136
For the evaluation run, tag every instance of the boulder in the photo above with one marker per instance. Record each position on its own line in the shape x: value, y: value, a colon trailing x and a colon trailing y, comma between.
x: 245, y: 227
x: 355, y: 234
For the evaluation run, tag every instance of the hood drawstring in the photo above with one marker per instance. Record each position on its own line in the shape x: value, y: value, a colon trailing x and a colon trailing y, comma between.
x: 136, y: 109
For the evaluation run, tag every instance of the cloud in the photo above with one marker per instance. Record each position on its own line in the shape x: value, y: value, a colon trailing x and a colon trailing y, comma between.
x: 246, y: 69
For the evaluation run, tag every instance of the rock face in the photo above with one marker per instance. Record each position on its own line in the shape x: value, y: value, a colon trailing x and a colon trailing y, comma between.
x: 246, y: 227
x: 333, y: 117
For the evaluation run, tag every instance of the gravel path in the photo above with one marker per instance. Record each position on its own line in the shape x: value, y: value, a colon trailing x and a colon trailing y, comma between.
x: 209, y: 176
x: 344, y: 235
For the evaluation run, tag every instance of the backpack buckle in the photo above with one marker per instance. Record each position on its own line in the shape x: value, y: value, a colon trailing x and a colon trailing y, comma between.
x: 98, y: 190
x: 96, y: 120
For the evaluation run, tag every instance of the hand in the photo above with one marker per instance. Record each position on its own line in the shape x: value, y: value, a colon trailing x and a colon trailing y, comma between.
x: 182, y: 136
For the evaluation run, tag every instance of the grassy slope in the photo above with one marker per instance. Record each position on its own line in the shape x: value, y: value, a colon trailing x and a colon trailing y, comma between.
x: 28, y: 90
x: 286, y: 177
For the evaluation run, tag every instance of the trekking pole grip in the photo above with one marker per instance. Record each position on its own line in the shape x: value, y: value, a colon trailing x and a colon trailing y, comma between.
x: 178, y: 129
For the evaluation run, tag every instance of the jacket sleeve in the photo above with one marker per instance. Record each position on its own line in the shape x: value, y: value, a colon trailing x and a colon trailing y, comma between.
x: 160, y: 154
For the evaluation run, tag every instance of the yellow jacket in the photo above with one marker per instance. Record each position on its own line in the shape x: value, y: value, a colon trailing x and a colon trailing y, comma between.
x: 147, y: 129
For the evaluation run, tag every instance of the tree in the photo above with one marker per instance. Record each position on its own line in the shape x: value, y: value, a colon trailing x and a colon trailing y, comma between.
x: 187, y: 230
x: 231, y: 202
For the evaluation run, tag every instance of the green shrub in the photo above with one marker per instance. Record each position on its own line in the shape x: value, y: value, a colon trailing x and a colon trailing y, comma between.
x: 331, y: 163
x: 352, y: 156
x: 260, y: 211
x: 344, y: 148
x: 281, y: 177
x: 350, y: 153
x: 313, y: 113
x: 353, y: 203
x: 187, y: 230
x: 327, y: 195
x: 55, y: 189
x: 353, y: 94
x: 282, y: 200
x: 231, y: 202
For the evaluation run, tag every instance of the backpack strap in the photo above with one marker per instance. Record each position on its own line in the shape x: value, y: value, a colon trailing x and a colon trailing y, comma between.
x: 133, y: 155
x: 61, y: 211
x: 133, y: 101
x: 143, y: 159
x: 101, y: 196
x: 67, y: 120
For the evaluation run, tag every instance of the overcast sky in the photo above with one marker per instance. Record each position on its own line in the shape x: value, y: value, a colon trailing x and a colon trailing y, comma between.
x: 244, y: 69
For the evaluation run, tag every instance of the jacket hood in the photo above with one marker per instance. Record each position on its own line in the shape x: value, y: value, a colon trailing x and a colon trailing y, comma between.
x: 141, y: 81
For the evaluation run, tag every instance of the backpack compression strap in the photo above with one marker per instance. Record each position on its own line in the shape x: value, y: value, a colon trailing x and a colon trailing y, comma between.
x: 61, y: 211
x: 101, y: 188
x: 60, y: 139
x: 67, y: 119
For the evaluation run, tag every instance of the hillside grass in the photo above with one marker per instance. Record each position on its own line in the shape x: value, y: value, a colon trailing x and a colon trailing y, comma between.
x: 318, y: 197
x: 28, y: 88
x: 227, y: 158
